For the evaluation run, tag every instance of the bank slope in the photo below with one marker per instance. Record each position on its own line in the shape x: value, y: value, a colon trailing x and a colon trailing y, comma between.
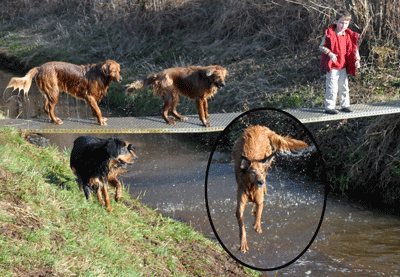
x: 47, y: 228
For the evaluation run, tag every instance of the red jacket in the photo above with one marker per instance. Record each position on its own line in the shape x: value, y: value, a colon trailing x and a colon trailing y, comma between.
x: 331, y: 42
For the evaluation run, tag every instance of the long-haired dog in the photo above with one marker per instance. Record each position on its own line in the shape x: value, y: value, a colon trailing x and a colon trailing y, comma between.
x: 97, y: 162
x: 195, y: 82
x: 86, y: 82
x: 253, y: 154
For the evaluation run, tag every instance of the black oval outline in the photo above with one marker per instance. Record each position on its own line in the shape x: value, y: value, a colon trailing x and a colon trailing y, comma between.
x: 323, y: 177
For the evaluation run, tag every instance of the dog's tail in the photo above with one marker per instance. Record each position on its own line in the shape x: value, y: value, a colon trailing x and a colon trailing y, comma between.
x: 23, y: 83
x: 281, y: 143
x: 141, y: 84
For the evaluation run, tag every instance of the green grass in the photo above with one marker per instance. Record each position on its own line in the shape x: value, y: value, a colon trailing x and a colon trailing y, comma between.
x: 47, y: 224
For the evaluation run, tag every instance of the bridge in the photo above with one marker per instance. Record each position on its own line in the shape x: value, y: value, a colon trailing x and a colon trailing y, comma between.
x: 155, y: 124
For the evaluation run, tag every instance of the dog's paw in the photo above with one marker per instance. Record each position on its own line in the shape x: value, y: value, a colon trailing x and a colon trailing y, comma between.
x: 58, y: 121
x: 184, y: 118
x: 243, y: 246
x: 103, y: 121
x: 171, y: 122
x: 207, y: 124
x: 257, y: 227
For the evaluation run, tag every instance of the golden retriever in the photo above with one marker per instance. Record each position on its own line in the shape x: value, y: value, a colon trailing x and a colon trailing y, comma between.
x: 86, y: 82
x: 253, y: 153
x: 195, y: 82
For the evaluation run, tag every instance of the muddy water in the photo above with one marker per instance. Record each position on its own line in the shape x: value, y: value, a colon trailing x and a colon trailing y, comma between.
x: 169, y: 176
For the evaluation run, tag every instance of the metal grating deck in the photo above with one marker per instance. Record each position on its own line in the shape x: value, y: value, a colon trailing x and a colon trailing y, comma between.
x: 126, y: 125
x: 155, y: 124
x: 310, y: 115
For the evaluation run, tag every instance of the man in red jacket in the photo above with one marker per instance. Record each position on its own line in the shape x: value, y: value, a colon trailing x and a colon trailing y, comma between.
x: 339, y: 57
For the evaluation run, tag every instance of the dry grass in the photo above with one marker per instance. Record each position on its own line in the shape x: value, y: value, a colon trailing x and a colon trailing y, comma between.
x: 269, y: 47
x: 377, y: 166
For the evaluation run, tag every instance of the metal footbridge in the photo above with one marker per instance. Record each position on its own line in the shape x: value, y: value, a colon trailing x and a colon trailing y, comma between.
x: 155, y: 124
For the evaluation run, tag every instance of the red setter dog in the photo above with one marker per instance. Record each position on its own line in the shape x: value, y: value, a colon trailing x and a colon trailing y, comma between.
x: 253, y: 155
x: 195, y: 82
x: 86, y: 82
x: 97, y: 162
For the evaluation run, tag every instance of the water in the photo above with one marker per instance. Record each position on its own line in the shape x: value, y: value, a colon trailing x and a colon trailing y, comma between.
x: 291, y: 214
x: 352, y: 241
x: 170, y: 177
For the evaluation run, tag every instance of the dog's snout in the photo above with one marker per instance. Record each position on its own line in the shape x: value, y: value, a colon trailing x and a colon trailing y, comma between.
x: 260, y: 183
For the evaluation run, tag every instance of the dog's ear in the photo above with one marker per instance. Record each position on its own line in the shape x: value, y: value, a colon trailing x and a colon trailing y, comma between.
x: 267, y: 161
x: 131, y: 147
x: 244, y: 163
x: 132, y: 150
x: 112, y: 149
x: 210, y: 71
x: 114, y: 146
x: 105, y: 69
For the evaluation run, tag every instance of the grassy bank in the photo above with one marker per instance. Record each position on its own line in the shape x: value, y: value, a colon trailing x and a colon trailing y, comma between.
x: 269, y: 47
x: 47, y: 228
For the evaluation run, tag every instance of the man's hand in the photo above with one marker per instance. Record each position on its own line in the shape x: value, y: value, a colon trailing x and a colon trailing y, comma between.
x: 332, y: 57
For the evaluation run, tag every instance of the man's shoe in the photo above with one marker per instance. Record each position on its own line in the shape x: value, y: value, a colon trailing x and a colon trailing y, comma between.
x: 331, y: 111
x: 346, y: 110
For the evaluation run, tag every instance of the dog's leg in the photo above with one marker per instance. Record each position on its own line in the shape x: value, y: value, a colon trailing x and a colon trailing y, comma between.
x: 80, y: 183
x: 173, y: 110
x: 46, y: 107
x: 167, y: 106
x: 87, y: 191
x: 106, y: 197
x: 177, y: 115
x: 99, y: 190
x: 96, y: 111
x: 96, y: 185
x: 50, y: 104
x: 206, y: 115
x: 118, y: 188
x: 257, y: 213
x: 200, y: 109
x: 242, y: 232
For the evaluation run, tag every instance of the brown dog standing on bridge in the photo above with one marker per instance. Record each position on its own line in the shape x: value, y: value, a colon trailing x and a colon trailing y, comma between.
x: 86, y: 82
x: 253, y: 154
x: 195, y: 82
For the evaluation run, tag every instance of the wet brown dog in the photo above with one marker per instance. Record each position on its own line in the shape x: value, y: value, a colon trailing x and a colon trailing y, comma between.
x: 253, y: 155
x: 97, y: 162
x: 195, y: 82
x: 86, y: 82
